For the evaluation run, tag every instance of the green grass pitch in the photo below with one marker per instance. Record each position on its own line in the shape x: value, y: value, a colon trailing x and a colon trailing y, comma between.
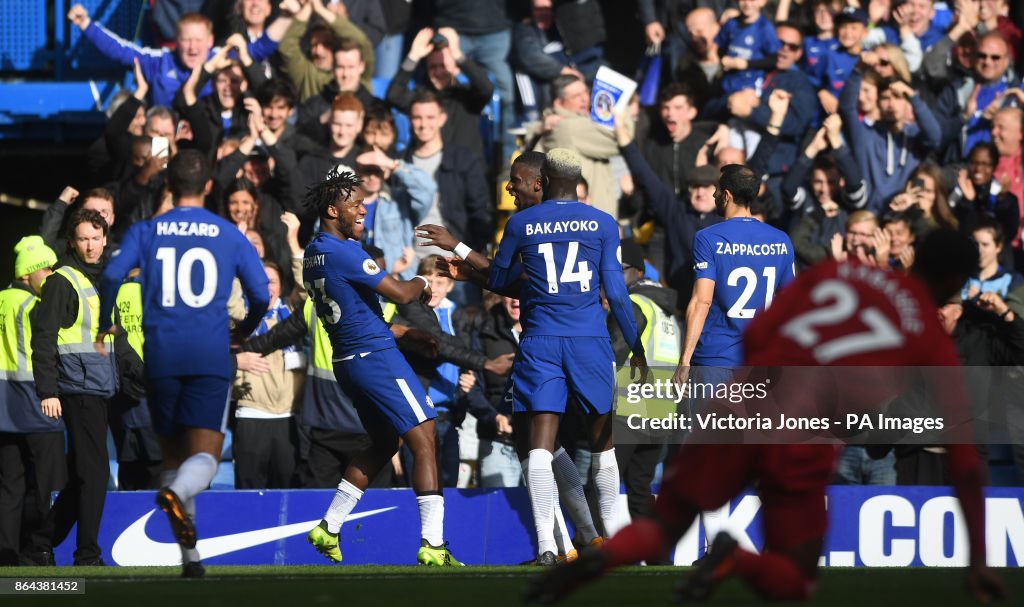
x: 386, y: 586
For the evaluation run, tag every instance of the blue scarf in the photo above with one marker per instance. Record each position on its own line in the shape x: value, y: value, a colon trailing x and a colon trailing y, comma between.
x: 277, y: 311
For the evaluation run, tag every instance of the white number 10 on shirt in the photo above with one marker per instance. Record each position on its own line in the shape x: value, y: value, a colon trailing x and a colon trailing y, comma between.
x: 582, y: 275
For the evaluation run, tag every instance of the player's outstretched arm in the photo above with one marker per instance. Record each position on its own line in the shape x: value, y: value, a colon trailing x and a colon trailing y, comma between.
x: 439, y: 236
x: 404, y: 291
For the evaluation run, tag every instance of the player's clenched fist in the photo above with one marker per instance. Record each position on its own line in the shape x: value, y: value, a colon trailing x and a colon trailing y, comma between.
x: 79, y: 16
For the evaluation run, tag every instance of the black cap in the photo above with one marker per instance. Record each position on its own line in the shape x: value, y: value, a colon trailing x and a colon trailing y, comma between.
x: 851, y: 15
x: 632, y: 254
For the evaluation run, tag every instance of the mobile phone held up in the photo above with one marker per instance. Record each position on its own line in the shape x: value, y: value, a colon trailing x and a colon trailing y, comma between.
x: 161, y: 147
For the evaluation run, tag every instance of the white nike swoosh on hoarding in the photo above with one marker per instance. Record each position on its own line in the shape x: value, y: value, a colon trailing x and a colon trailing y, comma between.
x: 135, y: 547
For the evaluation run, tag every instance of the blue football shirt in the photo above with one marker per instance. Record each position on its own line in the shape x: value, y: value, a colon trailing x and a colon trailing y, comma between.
x: 189, y: 258
x: 749, y: 261
x: 754, y: 41
x: 341, y: 278
x: 563, y: 247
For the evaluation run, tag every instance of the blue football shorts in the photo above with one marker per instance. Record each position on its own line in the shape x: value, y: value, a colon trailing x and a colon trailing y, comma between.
x: 550, y: 369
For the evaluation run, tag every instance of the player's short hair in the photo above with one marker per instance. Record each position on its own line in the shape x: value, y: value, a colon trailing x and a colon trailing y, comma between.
x: 742, y: 182
x: 336, y: 188
x: 276, y: 88
x: 194, y: 18
x: 532, y: 160
x: 562, y: 82
x: 428, y: 265
x: 347, y: 102
x: 187, y: 173
x: 80, y: 216
x: 563, y: 164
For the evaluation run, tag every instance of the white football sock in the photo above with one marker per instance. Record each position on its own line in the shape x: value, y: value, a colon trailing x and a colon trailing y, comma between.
x: 606, y: 480
x: 194, y: 475
x: 541, y: 480
x: 431, y: 518
x: 345, y: 499
x: 188, y: 555
x: 571, y: 493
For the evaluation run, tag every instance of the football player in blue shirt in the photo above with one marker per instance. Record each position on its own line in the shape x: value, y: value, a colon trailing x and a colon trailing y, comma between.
x: 739, y: 265
x: 565, y: 349
x: 344, y: 282
x: 188, y: 258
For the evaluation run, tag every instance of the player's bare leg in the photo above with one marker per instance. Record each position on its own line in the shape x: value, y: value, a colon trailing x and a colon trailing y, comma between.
x: 604, y: 466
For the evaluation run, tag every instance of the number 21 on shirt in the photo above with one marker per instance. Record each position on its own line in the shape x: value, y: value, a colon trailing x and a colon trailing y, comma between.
x: 739, y: 309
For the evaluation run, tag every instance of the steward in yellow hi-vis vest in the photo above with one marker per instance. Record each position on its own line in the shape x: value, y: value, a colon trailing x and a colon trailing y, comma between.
x: 31, y: 444
x: 74, y: 382
x: 638, y: 454
x: 21, y: 412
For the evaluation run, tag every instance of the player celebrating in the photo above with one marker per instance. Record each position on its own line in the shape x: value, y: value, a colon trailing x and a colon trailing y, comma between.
x: 188, y: 259
x: 343, y: 282
x: 565, y: 345
x: 834, y: 314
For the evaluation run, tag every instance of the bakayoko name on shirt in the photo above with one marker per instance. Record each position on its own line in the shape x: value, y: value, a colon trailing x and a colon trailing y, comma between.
x: 186, y: 228
x: 743, y: 248
x: 561, y: 227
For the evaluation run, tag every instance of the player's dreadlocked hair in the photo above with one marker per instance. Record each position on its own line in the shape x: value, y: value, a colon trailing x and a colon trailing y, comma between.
x: 340, y: 183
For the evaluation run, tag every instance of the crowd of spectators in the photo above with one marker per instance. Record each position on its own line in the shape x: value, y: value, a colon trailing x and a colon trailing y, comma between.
x: 870, y: 122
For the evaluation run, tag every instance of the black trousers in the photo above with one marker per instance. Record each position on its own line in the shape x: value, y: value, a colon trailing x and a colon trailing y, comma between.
x: 330, y: 453
x: 32, y: 466
x: 138, y: 449
x: 82, y: 498
x: 264, y: 453
x: 636, y: 467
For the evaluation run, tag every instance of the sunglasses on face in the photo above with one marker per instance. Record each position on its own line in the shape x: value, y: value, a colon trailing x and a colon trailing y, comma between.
x: 983, y: 56
x: 793, y: 46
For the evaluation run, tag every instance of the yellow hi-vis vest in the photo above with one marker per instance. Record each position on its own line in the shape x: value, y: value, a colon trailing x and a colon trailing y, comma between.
x: 19, y: 411
x: 82, y: 369
x: 16, y: 334
x: 322, y: 351
x: 128, y: 314
x: 662, y: 344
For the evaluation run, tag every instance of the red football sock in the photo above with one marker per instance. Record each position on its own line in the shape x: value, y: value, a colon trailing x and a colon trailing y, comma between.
x: 770, y: 575
x: 641, y: 540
